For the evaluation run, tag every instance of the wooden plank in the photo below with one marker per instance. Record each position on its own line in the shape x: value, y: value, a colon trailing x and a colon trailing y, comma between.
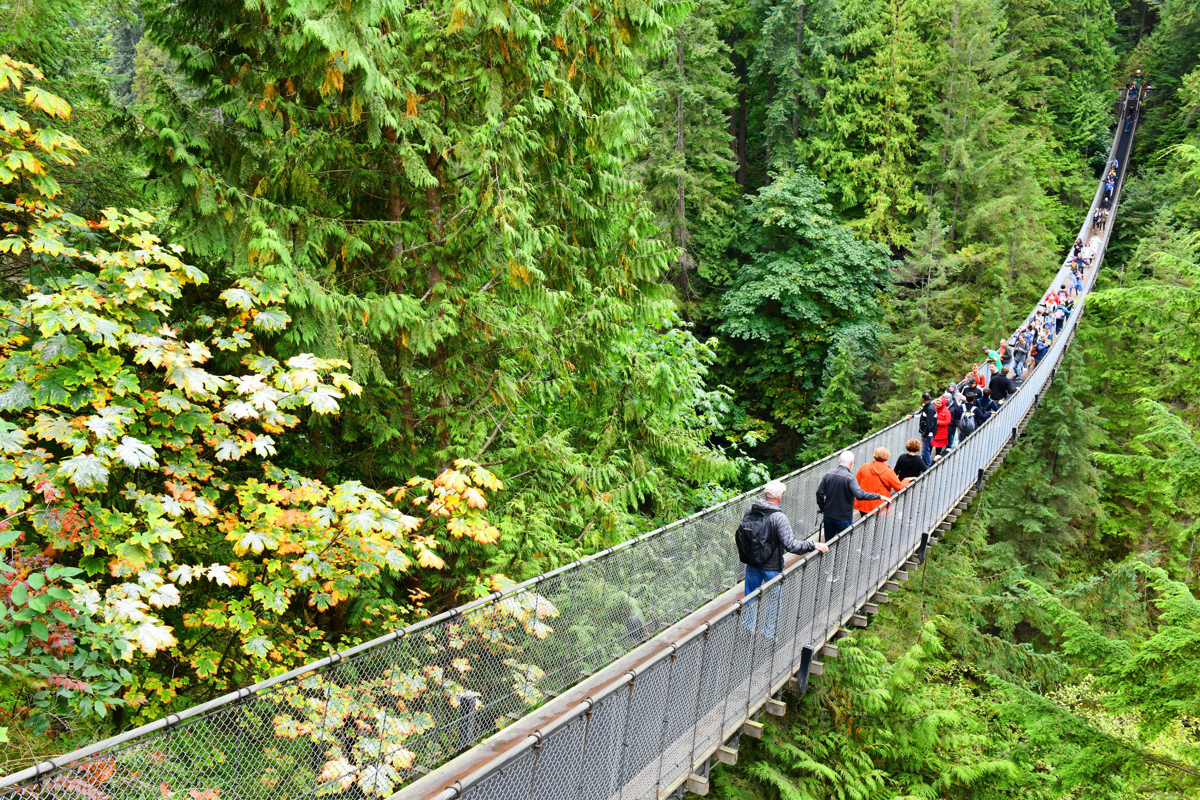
x: 879, y: 597
x: 816, y: 668
x: 892, y: 586
x: 870, y: 608
x: 901, y: 575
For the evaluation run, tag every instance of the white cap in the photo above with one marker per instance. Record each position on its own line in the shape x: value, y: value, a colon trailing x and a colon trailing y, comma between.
x: 774, y: 490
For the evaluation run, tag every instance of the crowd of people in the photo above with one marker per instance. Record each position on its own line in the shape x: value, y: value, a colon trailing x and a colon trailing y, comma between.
x: 844, y: 495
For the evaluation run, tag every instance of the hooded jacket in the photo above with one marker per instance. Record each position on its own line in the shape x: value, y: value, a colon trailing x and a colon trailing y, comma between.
x: 837, y: 492
x: 942, y: 438
x: 780, y: 531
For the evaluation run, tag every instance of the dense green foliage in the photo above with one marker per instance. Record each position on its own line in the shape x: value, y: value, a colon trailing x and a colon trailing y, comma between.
x: 589, y: 269
x: 1049, y: 647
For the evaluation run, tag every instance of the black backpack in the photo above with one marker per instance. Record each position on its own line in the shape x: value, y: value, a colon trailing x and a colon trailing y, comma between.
x: 755, y: 543
x: 966, y: 424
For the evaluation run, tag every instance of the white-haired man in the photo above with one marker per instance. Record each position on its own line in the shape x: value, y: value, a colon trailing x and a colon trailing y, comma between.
x: 764, y: 535
x: 836, y: 495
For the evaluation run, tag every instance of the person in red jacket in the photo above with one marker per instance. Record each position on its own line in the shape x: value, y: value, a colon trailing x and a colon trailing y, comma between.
x: 941, y: 439
x: 877, y: 477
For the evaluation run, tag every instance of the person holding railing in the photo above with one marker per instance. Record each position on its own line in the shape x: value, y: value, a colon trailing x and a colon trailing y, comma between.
x: 762, y: 538
x: 927, y: 427
x: 836, y: 494
x: 877, y: 477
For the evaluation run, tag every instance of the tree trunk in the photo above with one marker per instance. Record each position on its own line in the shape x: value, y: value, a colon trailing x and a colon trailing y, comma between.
x: 770, y: 102
x: 681, y: 231
x: 433, y: 199
x: 741, y: 137
x: 799, y: 56
x: 966, y: 101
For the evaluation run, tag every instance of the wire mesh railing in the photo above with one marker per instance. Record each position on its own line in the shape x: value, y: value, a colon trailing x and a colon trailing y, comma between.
x: 365, y: 721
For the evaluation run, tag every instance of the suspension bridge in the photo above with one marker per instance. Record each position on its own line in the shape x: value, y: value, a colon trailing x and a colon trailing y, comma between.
x: 621, y: 676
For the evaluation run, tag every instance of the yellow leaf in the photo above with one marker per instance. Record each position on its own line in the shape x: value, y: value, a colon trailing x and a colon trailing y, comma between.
x: 49, y: 104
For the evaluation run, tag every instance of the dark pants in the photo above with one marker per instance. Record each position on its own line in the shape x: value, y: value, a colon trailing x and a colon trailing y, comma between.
x: 834, y: 528
x: 927, y: 450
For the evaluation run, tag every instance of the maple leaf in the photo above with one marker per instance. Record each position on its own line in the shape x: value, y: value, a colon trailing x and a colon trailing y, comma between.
x: 239, y: 409
x: 181, y: 492
x: 220, y: 574
x: 453, y: 481
x: 258, y: 646
x: 264, y: 446
x: 322, y: 399
x: 85, y: 471
x: 427, y: 558
x: 238, y: 298
x: 153, y: 636
x: 474, y: 498
x: 228, y: 450
x: 136, y: 453
x: 486, y: 534
x: 339, y: 770
x: 253, y: 540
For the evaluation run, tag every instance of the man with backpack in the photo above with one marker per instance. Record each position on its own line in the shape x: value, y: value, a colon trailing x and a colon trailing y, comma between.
x: 966, y: 420
x: 836, y: 494
x: 762, y: 538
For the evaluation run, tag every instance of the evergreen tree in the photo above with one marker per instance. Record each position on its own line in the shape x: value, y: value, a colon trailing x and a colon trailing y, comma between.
x: 863, y: 135
x: 445, y: 192
x: 837, y: 420
x: 1047, y: 498
x: 690, y: 169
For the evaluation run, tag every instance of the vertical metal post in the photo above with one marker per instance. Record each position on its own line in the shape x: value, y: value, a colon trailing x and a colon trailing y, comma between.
x: 806, y: 657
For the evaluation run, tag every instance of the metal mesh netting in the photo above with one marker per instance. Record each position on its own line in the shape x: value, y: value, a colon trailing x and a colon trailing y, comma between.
x: 367, y: 721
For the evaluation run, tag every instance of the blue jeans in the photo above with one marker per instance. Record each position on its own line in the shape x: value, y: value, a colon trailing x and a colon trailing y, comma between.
x: 834, y: 528
x: 755, y: 578
x: 927, y: 450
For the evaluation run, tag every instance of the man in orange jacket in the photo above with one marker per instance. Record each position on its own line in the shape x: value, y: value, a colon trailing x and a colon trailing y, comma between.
x: 879, y: 478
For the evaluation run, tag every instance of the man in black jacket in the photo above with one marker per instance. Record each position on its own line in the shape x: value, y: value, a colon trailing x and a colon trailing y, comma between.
x: 836, y: 494
x: 1002, y: 385
x: 927, y: 427
x: 762, y: 538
